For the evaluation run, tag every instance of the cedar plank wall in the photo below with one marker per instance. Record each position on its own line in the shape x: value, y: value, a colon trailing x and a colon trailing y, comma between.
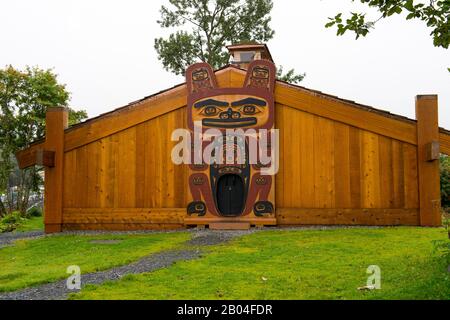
x: 330, y: 172
x: 127, y: 180
x: 333, y: 173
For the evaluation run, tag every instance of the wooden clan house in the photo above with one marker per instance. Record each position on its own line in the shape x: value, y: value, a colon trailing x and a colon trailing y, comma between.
x: 339, y: 162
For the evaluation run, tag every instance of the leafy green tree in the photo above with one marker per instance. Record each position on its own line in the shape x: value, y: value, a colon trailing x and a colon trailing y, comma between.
x: 290, y: 76
x: 435, y: 14
x: 25, y: 96
x: 207, y: 26
x: 445, y: 181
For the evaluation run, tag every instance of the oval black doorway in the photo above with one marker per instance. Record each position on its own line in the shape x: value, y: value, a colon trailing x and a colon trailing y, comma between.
x: 230, y: 195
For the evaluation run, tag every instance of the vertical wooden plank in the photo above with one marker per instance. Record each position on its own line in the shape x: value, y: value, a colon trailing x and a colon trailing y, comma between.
x: 81, y: 177
x: 126, y: 175
x: 140, y: 165
x: 324, y: 157
x: 107, y: 172
x: 386, y: 172
x: 293, y: 122
x: 410, y: 174
x: 158, y: 166
x: 115, y: 142
x: 93, y: 174
x: 149, y: 156
x: 169, y: 124
x: 289, y: 163
x: 179, y: 180
x: 355, y: 167
x: 56, y: 120
x: 370, y: 186
x: 342, y: 165
x: 70, y: 169
x: 307, y: 162
x: 427, y: 132
x: 152, y: 163
x: 279, y: 179
x: 397, y: 174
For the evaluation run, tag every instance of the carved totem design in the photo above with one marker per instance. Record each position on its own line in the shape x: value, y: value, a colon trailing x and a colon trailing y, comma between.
x: 234, y: 188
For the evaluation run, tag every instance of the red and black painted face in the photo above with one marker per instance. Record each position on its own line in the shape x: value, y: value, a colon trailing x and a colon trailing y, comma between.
x: 251, y: 106
x: 231, y: 188
x: 231, y: 111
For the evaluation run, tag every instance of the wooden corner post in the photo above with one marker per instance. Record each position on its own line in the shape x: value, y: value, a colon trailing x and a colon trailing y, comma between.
x: 428, y: 160
x: 56, y: 121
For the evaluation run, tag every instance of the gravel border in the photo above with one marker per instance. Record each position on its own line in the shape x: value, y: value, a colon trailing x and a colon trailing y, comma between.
x: 9, y: 237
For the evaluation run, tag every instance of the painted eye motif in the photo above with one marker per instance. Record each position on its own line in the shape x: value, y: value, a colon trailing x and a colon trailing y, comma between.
x: 210, y: 111
x: 250, y: 110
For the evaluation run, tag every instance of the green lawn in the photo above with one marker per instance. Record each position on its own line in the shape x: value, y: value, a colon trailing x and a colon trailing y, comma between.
x: 312, y: 264
x: 32, y: 224
x: 31, y: 262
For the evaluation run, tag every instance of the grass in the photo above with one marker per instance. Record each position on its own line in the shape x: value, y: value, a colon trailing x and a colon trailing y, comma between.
x: 32, y: 224
x: 32, y: 262
x: 312, y: 264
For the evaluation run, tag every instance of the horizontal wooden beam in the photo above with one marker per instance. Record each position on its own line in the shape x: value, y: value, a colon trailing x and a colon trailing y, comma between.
x: 121, y: 226
x: 35, y: 156
x: 444, y: 143
x: 123, y: 215
x: 379, y: 217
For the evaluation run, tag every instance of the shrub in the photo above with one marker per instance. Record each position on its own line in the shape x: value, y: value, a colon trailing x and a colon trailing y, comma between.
x: 34, y: 212
x: 10, y: 222
x: 445, y: 181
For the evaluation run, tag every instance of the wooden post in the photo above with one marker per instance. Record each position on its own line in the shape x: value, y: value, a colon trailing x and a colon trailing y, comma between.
x: 428, y: 166
x: 56, y: 121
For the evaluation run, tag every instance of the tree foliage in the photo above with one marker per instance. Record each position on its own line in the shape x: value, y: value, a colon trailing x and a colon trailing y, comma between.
x: 207, y: 26
x: 445, y: 181
x: 214, y: 23
x: 290, y: 76
x: 25, y: 96
x: 435, y: 14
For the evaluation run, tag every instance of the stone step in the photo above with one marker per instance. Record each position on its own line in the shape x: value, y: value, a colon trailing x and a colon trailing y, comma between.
x: 229, y: 226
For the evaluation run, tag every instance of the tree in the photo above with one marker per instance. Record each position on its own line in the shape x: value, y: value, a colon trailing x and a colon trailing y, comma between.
x: 445, y: 181
x: 436, y: 15
x: 25, y: 96
x: 214, y: 24
x: 290, y: 76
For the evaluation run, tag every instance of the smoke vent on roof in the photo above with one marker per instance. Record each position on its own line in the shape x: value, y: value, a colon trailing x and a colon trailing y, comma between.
x: 244, y: 53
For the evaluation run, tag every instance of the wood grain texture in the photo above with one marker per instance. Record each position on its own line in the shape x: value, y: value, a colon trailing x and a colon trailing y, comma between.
x: 328, y: 164
x: 121, y: 226
x: 375, y: 217
x: 124, y: 215
x: 444, y: 143
x: 295, y: 97
x: 129, y: 169
x: 56, y: 121
x: 333, y: 168
x: 337, y: 109
x: 428, y: 171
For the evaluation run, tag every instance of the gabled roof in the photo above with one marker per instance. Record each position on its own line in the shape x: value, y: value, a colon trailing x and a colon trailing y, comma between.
x: 299, y: 97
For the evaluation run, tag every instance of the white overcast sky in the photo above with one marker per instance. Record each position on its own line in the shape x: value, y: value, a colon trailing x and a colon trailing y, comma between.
x: 103, y: 51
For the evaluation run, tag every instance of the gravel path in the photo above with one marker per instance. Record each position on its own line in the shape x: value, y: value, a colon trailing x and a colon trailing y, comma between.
x: 10, y: 237
x: 58, y: 290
